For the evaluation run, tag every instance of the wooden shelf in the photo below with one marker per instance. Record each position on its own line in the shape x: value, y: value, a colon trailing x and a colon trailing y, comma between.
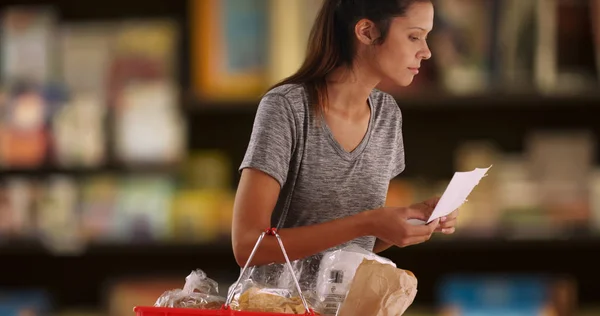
x: 49, y: 170
x: 223, y: 247
x: 77, y: 280
x: 433, y: 124
x: 432, y: 101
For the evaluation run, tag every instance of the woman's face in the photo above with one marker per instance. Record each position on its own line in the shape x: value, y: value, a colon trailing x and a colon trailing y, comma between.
x: 399, y: 57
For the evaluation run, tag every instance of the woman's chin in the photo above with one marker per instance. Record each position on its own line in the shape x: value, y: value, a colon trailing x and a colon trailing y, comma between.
x: 393, y: 85
x: 404, y: 81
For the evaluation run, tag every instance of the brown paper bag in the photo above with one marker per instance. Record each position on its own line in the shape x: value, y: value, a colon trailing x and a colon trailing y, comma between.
x: 379, y: 290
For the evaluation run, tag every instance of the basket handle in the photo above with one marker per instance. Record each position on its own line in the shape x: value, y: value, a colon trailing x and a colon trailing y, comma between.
x: 270, y: 232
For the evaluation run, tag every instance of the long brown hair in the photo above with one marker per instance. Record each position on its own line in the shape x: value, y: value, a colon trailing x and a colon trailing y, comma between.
x: 331, y: 43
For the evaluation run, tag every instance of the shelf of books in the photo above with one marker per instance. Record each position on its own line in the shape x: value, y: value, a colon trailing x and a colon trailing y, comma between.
x: 122, y: 126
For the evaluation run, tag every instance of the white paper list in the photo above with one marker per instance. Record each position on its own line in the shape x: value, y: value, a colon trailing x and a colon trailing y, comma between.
x: 459, y: 188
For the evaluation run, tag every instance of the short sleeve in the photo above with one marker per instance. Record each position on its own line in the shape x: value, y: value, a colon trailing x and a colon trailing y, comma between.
x: 398, y: 159
x: 273, y: 138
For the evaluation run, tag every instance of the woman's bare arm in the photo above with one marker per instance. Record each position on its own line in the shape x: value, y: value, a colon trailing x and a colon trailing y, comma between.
x: 254, y: 203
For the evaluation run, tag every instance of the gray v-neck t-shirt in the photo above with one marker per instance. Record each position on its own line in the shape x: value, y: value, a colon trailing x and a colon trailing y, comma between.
x: 320, y: 180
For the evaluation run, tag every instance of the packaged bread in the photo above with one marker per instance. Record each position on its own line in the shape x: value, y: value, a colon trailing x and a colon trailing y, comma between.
x: 379, y: 290
x: 266, y: 300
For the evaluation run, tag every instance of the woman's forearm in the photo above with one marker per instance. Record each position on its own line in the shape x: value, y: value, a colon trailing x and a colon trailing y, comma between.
x: 304, y: 241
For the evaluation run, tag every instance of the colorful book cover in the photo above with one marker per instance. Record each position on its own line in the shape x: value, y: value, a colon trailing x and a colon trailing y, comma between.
x: 230, y: 48
x: 27, y: 45
x: 143, y: 91
x: 195, y: 216
x: 518, y: 199
x: 143, y: 207
x: 143, y: 51
x: 59, y: 218
x: 25, y: 302
x: 86, y: 50
x: 561, y: 162
x: 16, y: 210
x: 290, y: 24
x: 518, y: 30
x: 24, y: 138
x: 462, y: 44
x: 79, y: 134
x: 156, y: 40
x: 149, y: 129
x: 98, y: 207
x: 463, y: 295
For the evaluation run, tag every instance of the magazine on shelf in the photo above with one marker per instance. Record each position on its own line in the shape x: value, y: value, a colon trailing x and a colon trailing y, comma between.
x: 98, y: 207
x: 24, y: 136
x: 27, y: 45
x: 149, y: 128
x: 289, y: 29
x: 142, y: 212
x: 142, y: 51
x: 86, y: 50
x: 462, y: 41
x: 576, y: 55
x: 58, y: 216
x: 516, y: 46
x: 230, y: 42
x: 79, y: 134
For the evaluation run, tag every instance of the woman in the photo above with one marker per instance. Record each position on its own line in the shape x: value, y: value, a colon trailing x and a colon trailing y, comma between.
x: 325, y: 143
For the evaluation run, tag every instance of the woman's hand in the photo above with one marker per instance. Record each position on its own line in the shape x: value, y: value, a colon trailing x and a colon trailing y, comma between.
x: 447, y: 223
x: 391, y: 226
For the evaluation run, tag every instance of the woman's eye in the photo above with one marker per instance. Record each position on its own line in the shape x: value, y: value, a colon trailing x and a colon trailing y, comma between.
x: 414, y: 38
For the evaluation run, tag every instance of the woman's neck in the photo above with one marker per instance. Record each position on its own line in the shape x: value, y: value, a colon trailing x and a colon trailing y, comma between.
x: 348, y: 89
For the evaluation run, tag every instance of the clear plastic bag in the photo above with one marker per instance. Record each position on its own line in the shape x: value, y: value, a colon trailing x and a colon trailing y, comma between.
x: 324, y: 279
x: 335, y: 276
x: 271, y: 288
x: 199, y: 291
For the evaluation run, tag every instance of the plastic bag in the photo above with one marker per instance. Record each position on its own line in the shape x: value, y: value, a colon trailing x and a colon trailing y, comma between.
x: 335, y: 276
x: 199, y: 291
x: 324, y: 280
x: 271, y: 288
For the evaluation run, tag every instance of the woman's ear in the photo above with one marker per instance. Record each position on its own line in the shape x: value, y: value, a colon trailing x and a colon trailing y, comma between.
x: 366, y: 32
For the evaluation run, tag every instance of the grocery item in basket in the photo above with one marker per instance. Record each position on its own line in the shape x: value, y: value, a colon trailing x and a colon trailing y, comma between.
x: 378, y: 290
x: 270, y: 301
x: 336, y: 272
x: 199, y: 291
x: 272, y: 288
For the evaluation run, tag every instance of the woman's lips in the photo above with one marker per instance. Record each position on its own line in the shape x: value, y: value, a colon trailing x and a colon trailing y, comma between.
x: 414, y: 70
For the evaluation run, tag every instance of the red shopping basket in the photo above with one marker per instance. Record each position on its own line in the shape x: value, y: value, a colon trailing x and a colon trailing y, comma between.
x: 225, y: 309
x: 165, y: 311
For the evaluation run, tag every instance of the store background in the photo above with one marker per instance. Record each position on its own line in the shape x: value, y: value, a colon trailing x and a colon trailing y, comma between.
x: 122, y: 125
